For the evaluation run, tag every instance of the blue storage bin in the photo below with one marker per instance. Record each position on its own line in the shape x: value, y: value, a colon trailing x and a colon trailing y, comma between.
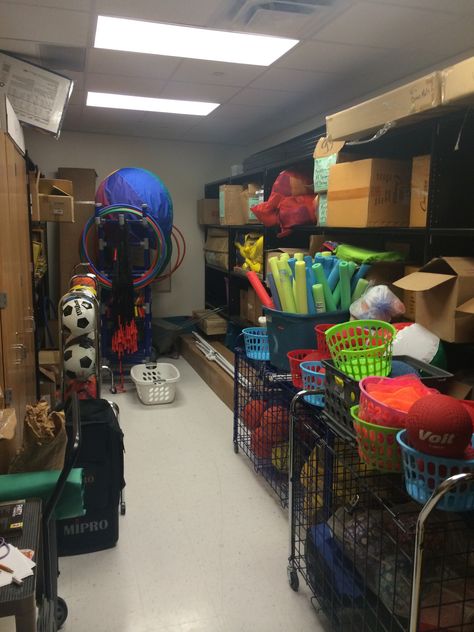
x: 287, y: 332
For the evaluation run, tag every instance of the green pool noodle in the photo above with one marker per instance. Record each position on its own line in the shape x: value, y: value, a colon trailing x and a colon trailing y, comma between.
x: 337, y: 295
x: 318, y: 295
x: 362, y: 285
x: 287, y: 298
x: 345, y: 285
x: 321, y: 278
x: 299, y: 256
x: 300, y: 287
x: 273, y: 261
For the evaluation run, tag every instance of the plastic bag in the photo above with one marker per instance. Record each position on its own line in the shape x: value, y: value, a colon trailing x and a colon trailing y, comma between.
x: 297, y: 211
x: 377, y: 303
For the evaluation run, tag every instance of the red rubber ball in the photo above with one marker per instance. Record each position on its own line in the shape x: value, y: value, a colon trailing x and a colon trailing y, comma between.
x: 439, y: 425
x: 252, y: 413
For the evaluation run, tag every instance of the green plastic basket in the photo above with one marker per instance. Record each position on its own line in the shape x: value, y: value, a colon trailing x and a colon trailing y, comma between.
x: 377, y: 445
x: 360, y: 348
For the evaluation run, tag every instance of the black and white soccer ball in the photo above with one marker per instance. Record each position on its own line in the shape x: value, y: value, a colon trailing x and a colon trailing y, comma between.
x: 78, y: 316
x: 79, y: 360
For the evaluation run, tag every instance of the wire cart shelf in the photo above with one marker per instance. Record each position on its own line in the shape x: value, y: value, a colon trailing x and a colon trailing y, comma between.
x: 357, y: 539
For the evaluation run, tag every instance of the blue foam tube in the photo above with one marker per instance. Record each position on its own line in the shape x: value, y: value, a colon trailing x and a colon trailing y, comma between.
x: 360, y: 274
x: 333, y: 278
x: 291, y: 263
x: 309, y: 287
x: 274, y: 291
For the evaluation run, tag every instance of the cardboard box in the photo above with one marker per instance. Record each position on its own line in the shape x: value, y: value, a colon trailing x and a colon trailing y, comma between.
x: 8, y: 423
x: 230, y: 205
x: 84, y: 185
x: 243, y: 305
x: 444, y: 300
x: 420, y: 181
x: 322, y: 209
x: 251, y: 195
x: 457, y: 83
x: 210, y: 323
x: 327, y: 153
x: 414, y: 100
x: 409, y: 297
x: 51, y: 200
x: 10, y: 124
x: 208, y: 211
x: 372, y: 192
x: 216, y: 248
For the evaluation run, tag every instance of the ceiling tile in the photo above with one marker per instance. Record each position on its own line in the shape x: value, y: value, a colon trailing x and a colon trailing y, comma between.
x: 198, y: 91
x: 118, y: 84
x: 19, y: 21
x: 217, y: 73
x: 78, y: 97
x: 109, y: 62
x: 73, y: 114
x: 161, y: 120
x: 175, y: 11
x: 269, y: 99
x: 77, y: 5
x: 452, y: 6
x: 289, y: 80
x: 459, y: 38
x: 20, y: 47
x: 383, y: 25
x: 329, y: 57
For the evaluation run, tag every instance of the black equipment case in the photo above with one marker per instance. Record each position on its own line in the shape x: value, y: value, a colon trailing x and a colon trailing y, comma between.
x: 101, y: 457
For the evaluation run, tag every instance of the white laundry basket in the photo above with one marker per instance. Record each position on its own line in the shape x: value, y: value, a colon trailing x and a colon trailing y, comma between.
x: 156, y: 383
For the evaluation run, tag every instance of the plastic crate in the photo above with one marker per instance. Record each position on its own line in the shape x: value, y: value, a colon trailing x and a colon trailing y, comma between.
x: 342, y: 392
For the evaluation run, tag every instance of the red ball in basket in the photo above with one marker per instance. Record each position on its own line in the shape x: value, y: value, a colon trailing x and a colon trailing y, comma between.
x: 252, y: 413
x: 439, y: 425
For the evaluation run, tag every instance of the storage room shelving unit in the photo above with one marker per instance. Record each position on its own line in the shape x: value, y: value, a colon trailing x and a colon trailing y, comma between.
x: 450, y: 217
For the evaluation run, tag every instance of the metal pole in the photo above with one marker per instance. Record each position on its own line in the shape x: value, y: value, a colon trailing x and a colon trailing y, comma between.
x: 437, y: 495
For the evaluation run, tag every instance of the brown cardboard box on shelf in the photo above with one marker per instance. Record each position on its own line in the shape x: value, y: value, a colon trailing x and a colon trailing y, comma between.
x: 216, y: 248
x: 412, y: 101
x: 210, y: 323
x: 444, y: 290
x: 250, y: 197
x: 243, y: 305
x: 208, y: 211
x: 409, y: 297
x: 254, y: 307
x: 326, y: 154
x: 230, y: 205
x: 457, y: 83
x: 372, y: 192
x: 83, y: 181
x: 8, y: 423
x: 51, y: 200
x: 420, y: 180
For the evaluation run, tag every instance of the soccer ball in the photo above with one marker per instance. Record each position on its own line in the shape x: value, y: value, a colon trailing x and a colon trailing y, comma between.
x: 79, y: 360
x: 89, y: 337
x: 78, y: 316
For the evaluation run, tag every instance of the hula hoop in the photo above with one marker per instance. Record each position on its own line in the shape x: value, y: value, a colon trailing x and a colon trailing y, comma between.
x: 162, y: 254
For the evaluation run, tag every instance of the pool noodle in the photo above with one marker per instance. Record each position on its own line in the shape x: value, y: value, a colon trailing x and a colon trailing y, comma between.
x: 273, y: 261
x: 299, y: 256
x: 337, y: 295
x: 360, y: 274
x: 300, y: 287
x: 360, y: 288
x: 333, y: 278
x: 291, y: 263
x: 321, y: 278
x: 260, y: 290
x: 284, y: 256
x: 318, y: 297
x: 345, y: 285
x: 286, y: 297
x: 309, y: 293
x: 273, y: 290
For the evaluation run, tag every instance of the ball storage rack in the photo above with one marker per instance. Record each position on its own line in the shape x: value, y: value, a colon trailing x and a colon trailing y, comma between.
x: 374, y: 559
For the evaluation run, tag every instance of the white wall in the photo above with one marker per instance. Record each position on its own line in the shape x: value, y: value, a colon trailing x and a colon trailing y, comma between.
x: 183, y: 167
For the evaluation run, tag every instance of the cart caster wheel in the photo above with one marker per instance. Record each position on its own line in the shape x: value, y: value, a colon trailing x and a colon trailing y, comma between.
x: 123, y: 509
x: 113, y: 390
x: 293, y: 579
x: 236, y: 448
x: 61, y: 612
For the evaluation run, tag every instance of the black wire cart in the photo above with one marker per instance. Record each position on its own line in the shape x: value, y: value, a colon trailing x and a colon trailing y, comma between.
x: 52, y: 609
x: 258, y: 386
x: 358, y: 540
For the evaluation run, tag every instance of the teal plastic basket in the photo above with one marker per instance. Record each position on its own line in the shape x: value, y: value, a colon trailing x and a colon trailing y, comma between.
x: 425, y: 472
x: 256, y: 343
x: 313, y: 374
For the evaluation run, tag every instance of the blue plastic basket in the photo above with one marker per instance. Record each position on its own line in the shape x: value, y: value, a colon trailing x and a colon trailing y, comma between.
x: 314, y: 379
x: 424, y: 472
x: 256, y: 343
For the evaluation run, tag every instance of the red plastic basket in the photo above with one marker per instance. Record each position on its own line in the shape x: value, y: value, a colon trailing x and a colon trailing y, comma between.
x: 376, y: 412
x: 295, y: 357
x: 321, y: 343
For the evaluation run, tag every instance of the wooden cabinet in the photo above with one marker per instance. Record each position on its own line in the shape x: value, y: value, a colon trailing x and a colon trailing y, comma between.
x: 17, y: 343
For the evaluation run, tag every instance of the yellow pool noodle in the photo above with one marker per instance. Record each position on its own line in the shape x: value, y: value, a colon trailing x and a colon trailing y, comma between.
x: 286, y: 298
x: 300, y: 287
x: 299, y: 256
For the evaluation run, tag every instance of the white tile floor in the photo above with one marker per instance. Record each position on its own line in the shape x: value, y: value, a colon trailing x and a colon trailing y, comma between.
x: 203, y: 546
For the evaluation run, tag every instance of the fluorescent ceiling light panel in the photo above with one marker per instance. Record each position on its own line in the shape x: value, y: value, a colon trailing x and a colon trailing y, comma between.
x: 149, y: 104
x: 137, y: 36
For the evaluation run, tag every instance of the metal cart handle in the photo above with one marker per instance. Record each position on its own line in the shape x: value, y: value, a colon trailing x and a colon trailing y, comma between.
x: 437, y: 495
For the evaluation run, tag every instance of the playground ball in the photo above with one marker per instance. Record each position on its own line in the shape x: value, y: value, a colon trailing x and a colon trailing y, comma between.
x: 137, y: 187
x: 280, y: 456
x: 79, y: 360
x: 439, y: 425
x: 260, y: 444
x: 275, y: 423
x: 78, y: 316
x: 252, y: 413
